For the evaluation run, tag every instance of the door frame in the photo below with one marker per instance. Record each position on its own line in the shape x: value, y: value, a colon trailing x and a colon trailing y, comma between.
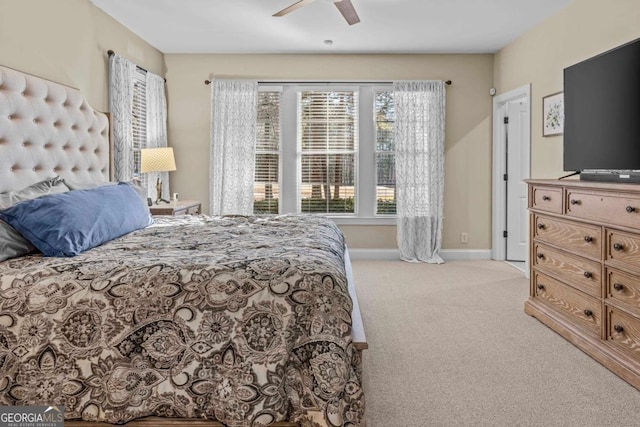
x: 499, y: 193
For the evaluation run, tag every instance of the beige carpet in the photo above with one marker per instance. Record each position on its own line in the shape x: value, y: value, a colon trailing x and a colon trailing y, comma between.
x: 450, y: 345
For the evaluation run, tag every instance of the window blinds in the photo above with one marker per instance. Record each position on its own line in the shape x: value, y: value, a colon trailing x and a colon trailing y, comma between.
x: 267, y: 169
x: 385, y: 116
x: 328, y: 144
x: 139, y: 124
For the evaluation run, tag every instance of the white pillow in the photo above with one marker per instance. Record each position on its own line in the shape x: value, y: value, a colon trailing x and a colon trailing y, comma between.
x: 12, y: 243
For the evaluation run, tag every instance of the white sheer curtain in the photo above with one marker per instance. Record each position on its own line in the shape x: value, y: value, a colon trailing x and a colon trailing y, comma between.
x: 156, y: 128
x: 233, y: 136
x: 419, y: 137
x: 121, y: 72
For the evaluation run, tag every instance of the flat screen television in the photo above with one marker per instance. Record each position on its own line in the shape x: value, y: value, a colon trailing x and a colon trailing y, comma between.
x: 602, y: 116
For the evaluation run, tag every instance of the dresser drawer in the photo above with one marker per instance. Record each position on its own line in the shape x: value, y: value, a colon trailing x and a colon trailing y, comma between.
x: 580, y: 308
x: 623, y: 247
x: 574, y: 237
x: 546, y: 199
x: 579, y: 272
x: 605, y: 207
x: 623, y: 332
x: 623, y: 287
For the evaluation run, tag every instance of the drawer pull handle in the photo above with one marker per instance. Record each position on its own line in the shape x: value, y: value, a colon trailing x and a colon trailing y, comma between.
x: 588, y: 239
x: 588, y: 274
x: 540, y: 256
x: 618, y: 247
x: 540, y: 286
x: 546, y: 198
x: 618, y: 286
x: 588, y: 312
x: 541, y: 226
x: 631, y: 209
x: 574, y: 202
x: 618, y: 328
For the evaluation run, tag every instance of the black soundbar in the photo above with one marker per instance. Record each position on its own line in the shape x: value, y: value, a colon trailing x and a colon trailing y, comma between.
x: 630, y: 177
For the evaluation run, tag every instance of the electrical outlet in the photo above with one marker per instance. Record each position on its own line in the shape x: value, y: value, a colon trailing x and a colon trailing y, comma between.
x: 464, y: 237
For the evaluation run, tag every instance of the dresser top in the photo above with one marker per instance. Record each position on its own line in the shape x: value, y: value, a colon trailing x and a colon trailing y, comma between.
x: 576, y: 183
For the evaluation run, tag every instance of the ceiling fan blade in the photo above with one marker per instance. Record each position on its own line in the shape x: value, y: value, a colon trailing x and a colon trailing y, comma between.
x: 293, y: 7
x: 348, y: 11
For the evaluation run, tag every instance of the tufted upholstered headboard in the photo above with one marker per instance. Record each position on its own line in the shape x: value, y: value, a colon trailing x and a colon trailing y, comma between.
x: 48, y: 129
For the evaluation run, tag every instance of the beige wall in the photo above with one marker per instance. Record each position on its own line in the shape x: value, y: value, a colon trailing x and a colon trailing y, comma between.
x: 468, y: 138
x: 583, y: 29
x: 67, y: 41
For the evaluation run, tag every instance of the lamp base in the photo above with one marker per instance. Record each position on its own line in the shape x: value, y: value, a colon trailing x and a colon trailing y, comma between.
x: 159, y: 192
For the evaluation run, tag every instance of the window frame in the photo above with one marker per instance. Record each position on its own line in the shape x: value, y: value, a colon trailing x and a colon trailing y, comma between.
x: 290, y: 164
x: 356, y: 150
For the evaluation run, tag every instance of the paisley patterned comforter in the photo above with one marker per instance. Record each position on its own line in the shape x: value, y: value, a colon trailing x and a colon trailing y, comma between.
x: 244, y: 320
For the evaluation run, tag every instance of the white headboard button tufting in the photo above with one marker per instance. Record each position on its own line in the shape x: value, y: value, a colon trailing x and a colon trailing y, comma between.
x: 46, y: 129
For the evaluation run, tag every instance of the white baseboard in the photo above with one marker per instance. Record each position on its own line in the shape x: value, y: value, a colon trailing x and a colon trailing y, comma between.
x: 446, y: 254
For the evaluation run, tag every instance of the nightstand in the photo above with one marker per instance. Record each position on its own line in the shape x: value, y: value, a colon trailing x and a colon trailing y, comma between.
x: 180, y: 207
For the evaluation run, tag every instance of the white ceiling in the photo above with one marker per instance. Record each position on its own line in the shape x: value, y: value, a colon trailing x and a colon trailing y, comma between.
x: 387, y: 26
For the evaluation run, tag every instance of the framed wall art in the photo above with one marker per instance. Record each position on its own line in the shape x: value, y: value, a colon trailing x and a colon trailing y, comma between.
x: 553, y: 114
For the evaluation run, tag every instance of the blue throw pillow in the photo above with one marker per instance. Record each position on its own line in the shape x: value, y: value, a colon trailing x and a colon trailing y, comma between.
x: 69, y: 223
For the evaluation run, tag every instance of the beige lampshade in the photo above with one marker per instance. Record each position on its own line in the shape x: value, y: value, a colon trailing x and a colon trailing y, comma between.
x: 157, y: 160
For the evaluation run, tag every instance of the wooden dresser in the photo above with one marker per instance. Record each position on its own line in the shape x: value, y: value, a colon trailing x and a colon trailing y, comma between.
x: 585, y: 268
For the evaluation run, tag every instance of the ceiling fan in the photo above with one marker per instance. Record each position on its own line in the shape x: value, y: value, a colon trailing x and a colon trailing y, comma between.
x: 344, y: 6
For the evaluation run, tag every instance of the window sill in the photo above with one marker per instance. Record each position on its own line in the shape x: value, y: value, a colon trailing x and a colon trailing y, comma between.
x: 345, y: 220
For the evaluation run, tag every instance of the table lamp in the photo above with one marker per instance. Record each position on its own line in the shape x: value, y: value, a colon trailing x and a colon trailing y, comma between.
x: 157, y: 160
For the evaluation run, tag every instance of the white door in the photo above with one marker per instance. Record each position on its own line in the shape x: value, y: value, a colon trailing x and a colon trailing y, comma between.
x: 517, y: 131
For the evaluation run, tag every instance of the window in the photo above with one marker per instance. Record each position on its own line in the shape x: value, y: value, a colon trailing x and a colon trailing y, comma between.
x: 385, y: 116
x: 328, y: 141
x: 139, y: 121
x: 326, y: 149
x: 266, y: 187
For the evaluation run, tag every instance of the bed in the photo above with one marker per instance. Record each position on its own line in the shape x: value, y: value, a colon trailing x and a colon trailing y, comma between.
x: 239, y: 320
